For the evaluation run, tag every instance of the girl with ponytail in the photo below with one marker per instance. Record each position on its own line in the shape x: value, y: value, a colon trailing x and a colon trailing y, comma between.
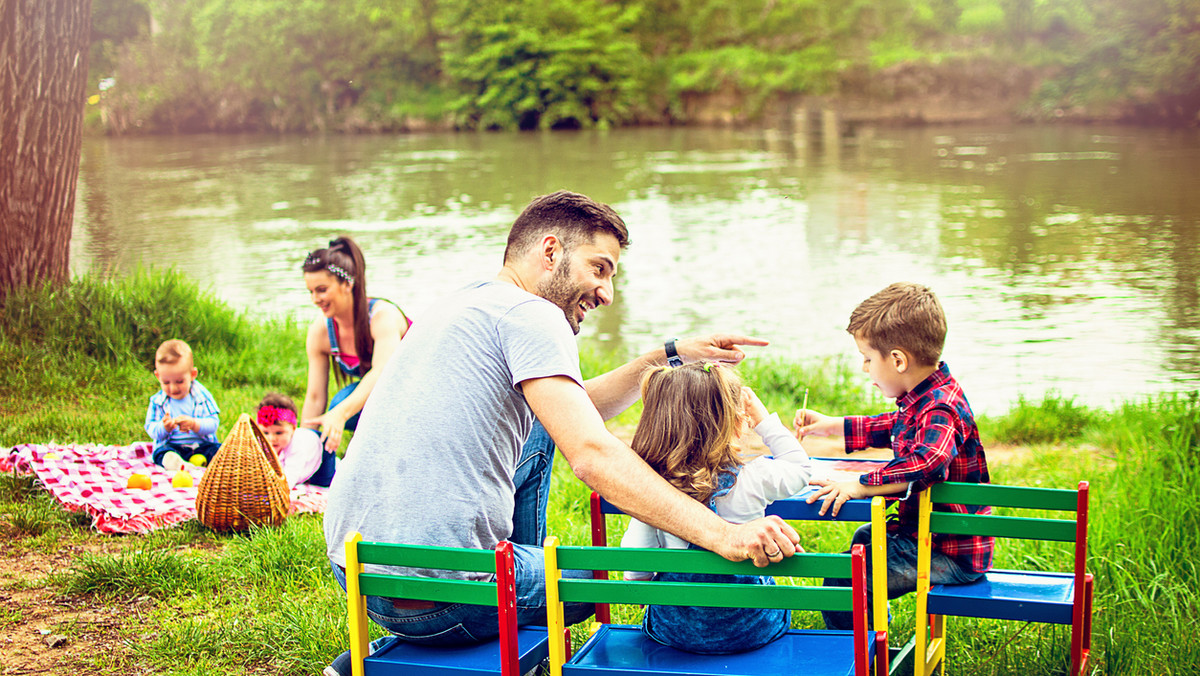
x: 353, y: 339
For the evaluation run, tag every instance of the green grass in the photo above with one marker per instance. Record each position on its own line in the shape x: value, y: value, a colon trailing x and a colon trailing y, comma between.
x: 264, y: 601
x: 137, y: 572
x: 1052, y: 420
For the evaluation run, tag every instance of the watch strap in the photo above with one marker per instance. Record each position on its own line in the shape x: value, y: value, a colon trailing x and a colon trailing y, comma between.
x: 673, y: 358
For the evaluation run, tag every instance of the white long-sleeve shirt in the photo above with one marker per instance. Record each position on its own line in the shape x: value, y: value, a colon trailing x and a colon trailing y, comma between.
x: 302, y: 456
x: 760, y: 482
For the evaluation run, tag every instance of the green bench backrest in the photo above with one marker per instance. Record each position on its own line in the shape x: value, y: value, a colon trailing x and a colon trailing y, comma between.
x: 424, y: 588
x: 1016, y: 497
x: 702, y: 594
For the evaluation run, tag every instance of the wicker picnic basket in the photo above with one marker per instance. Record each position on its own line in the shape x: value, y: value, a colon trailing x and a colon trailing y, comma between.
x: 244, y: 485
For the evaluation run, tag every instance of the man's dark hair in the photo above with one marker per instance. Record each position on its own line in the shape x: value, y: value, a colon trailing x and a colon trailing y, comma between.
x: 571, y: 217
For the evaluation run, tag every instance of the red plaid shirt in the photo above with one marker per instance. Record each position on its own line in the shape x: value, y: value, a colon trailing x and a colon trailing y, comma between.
x: 934, y: 437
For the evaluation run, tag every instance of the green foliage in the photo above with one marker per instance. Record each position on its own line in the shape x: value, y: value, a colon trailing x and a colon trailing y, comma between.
x: 832, y: 387
x: 380, y: 65
x: 545, y: 64
x: 120, y: 319
x: 1147, y: 58
x: 286, y: 557
x: 79, y: 358
x: 114, y: 23
x: 981, y: 16
x: 1053, y: 420
x: 152, y: 572
x: 1146, y: 533
x: 749, y: 69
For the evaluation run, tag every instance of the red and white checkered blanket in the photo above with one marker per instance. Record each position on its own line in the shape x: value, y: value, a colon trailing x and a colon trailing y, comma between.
x: 91, y: 479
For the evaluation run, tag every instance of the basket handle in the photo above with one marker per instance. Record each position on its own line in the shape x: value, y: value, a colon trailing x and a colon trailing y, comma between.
x: 263, y: 444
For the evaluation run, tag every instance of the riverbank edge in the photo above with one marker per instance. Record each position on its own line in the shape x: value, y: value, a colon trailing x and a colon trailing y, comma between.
x: 959, y: 91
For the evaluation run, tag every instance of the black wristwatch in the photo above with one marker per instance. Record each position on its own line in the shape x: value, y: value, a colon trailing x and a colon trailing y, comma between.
x: 673, y: 358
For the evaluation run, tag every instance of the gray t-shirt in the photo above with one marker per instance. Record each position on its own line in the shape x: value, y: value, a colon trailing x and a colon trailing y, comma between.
x: 437, y: 444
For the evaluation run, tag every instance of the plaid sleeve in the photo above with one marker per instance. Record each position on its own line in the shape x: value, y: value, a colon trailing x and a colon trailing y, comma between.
x: 927, y: 460
x: 207, y: 414
x: 874, y: 431
x: 154, y: 425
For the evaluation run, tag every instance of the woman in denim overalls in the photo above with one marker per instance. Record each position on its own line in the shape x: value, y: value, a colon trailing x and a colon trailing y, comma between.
x: 354, y: 336
x: 692, y: 418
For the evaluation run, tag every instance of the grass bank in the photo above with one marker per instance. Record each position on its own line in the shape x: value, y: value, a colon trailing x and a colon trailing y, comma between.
x: 188, y: 601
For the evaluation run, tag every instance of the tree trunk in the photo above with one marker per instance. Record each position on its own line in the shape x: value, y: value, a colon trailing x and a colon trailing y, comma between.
x: 43, y: 76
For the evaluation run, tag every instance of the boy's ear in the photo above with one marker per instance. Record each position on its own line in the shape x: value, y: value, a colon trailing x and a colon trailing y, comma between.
x: 195, y: 372
x: 899, y: 360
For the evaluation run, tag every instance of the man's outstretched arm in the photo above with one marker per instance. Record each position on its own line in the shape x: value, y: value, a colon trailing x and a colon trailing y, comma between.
x: 616, y: 390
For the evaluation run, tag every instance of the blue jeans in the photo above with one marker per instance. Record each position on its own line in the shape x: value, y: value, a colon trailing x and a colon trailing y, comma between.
x: 462, y: 624
x: 206, y: 448
x: 901, y: 573
x: 328, y: 467
x: 715, y: 631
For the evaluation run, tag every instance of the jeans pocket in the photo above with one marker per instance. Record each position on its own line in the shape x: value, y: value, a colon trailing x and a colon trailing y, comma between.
x: 454, y: 635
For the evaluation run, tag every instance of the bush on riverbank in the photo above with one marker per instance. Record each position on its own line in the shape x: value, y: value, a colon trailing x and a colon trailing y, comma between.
x: 263, y: 601
x: 397, y: 65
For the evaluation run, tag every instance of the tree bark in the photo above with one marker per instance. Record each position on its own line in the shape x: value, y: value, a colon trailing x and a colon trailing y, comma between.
x: 43, y: 77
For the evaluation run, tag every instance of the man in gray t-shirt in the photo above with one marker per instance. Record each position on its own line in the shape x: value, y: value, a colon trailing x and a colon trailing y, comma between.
x: 436, y: 463
x: 440, y: 457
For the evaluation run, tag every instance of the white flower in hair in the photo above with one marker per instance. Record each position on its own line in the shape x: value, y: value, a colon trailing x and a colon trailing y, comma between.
x: 340, y: 272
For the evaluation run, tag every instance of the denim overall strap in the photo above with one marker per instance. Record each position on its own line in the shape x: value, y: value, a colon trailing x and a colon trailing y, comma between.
x: 715, y: 630
x: 335, y: 349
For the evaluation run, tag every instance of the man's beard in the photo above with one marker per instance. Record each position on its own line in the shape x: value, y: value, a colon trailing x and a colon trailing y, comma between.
x: 560, y: 291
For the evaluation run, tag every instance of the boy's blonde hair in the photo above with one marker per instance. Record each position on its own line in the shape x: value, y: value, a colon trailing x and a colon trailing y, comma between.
x: 904, y: 316
x: 691, y: 416
x: 172, y: 352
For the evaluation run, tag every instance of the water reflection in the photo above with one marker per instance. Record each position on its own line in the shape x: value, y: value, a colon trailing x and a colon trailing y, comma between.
x: 1066, y: 257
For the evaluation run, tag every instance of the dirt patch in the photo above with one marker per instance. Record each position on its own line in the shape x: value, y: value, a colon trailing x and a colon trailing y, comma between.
x: 44, y: 632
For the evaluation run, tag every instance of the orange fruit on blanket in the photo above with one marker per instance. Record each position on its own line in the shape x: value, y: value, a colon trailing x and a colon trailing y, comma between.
x: 137, y: 480
x: 182, y: 480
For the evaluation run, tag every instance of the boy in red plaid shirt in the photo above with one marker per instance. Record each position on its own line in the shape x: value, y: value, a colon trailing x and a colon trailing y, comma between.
x: 900, y: 332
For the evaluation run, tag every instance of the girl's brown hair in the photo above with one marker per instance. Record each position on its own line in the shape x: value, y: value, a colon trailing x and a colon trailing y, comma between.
x: 691, y: 416
x: 349, y: 266
x: 278, y: 400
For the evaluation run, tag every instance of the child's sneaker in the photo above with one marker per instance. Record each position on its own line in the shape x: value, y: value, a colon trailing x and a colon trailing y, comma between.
x: 172, y: 461
x: 343, y: 665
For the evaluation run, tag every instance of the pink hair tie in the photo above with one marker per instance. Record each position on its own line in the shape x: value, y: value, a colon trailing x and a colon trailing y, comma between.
x: 269, y: 415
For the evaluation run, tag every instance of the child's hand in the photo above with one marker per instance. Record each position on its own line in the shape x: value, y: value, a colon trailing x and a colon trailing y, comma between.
x: 809, y: 422
x: 169, y: 424
x: 835, y: 493
x: 186, y: 423
x: 753, y: 407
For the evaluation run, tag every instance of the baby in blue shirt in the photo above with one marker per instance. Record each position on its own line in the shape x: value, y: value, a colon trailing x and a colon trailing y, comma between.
x: 182, y: 418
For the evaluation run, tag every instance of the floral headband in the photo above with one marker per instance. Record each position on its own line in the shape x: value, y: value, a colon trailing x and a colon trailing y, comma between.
x: 269, y: 415
x: 334, y: 269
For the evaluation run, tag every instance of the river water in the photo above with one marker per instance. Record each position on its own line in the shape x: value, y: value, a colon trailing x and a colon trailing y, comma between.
x: 1067, y: 257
